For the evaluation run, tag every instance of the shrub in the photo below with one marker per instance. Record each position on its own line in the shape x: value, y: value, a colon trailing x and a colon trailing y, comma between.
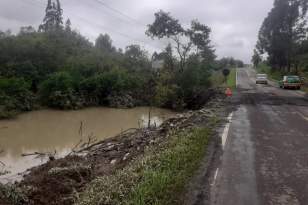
x: 15, y: 96
x: 58, y: 91
x: 194, y: 79
x: 98, y: 88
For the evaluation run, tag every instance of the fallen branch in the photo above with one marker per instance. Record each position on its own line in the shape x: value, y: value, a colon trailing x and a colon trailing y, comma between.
x: 91, y: 140
x: 3, y: 164
x: 75, y: 147
x: 32, y: 154
x: 89, y: 147
x: 128, y: 130
x: 51, y: 156
x: 79, y: 147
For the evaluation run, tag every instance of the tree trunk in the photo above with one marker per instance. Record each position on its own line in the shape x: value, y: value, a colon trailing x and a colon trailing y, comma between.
x: 296, y: 68
x: 289, y: 67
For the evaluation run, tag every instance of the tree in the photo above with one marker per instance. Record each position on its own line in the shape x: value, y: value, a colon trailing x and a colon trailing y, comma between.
x: 68, y: 25
x: 14, y: 97
x: 256, y: 58
x: 185, y: 40
x: 282, y: 32
x: 5, y: 34
x: 136, y: 59
x: 228, y: 62
x: 135, y: 53
x: 26, y: 30
x: 53, y: 18
x: 226, y: 73
x: 104, y: 43
x: 168, y: 58
x: 58, y: 91
x: 165, y: 26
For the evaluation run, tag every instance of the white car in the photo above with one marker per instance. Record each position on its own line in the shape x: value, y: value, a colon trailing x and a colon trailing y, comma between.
x: 261, y: 79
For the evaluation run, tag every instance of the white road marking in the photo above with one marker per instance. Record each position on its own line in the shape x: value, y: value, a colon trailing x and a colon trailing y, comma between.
x: 224, y: 140
x: 303, y: 116
x: 216, y: 174
x: 226, y: 131
x: 215, y: 177
x: 236, y: 78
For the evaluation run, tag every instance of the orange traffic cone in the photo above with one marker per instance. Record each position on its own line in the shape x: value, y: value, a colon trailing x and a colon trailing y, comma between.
x: 228, y: 92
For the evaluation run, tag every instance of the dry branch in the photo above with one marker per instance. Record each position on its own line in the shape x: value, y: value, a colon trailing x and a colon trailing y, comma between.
x: 50, y: 155
x: 3, y: 164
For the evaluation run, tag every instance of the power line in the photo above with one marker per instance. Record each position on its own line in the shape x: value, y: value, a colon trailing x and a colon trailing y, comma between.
x: 120, y: 12
x: 103, y: 27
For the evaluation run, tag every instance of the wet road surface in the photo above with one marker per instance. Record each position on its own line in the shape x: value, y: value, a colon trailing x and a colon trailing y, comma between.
x: 265, y: 158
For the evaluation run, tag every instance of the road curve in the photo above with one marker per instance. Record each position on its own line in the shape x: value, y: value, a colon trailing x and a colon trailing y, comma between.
x: 265, y: 159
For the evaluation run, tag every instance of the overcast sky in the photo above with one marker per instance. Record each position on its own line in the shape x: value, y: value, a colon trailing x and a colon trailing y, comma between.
x: 234, y: 23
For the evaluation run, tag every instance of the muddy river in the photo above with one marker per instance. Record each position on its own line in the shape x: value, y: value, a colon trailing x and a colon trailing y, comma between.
x: 50, y: 130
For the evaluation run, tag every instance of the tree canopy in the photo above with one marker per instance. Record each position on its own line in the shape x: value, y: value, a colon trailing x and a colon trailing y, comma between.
x: 194, y: 40
x: 56, y: 66
x: 283, y: 33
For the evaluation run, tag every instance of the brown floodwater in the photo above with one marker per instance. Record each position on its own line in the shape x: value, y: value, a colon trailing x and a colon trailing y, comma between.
x: 50, y: 130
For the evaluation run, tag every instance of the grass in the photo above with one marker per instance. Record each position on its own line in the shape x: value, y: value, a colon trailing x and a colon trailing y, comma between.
x: 231, y: 80
x: 11, y: 195
x: 273, y: 75
x: 217, y: 79
x: 158, y: 178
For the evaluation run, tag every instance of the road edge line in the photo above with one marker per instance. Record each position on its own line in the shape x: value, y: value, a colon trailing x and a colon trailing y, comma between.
x: 225, y: 133
x: 215, y: 177
x: 236, y: 77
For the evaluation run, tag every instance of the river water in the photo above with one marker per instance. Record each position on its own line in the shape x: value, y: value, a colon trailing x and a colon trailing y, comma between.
x: 50, y: 130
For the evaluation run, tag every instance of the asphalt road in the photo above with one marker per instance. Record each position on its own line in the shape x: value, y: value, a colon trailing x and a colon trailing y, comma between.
x: 265, y: 158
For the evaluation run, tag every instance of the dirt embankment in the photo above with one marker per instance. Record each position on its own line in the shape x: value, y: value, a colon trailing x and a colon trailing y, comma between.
x: 58, y: 181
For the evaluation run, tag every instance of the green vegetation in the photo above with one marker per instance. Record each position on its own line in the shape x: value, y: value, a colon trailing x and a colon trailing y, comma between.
x: 59, y: 68
x: 158, y: 178
x: 272, y: 74
x: 231, y: 80
x: 14, y: 97
x: 217, y: 78
x: 283, y: 39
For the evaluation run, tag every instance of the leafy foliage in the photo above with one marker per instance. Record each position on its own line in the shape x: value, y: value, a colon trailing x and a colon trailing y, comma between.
x: 164, y: 26
x: 14, y: 96
x: 59, y: 68
x: 104, y: 43
x: 256, y: 58
x: 283, y: 34
x: 58, y: 91
x: 196, y: 39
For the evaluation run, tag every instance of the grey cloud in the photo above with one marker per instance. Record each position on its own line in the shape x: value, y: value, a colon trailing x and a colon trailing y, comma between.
x: 234, y: 23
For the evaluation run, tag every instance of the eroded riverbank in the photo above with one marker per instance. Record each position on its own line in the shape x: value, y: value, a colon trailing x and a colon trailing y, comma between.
x: 159, y: 150
x: 49, y: 130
